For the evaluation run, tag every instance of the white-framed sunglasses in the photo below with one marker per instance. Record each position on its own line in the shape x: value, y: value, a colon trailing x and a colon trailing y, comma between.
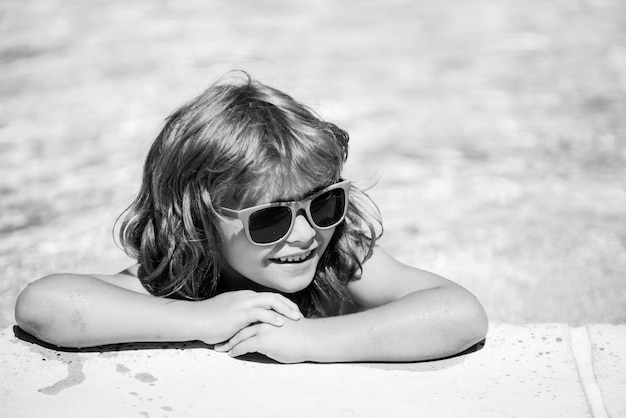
x: 270, y: 223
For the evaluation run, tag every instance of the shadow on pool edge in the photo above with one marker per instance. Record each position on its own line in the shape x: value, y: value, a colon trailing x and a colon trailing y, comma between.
x: 185, y: 345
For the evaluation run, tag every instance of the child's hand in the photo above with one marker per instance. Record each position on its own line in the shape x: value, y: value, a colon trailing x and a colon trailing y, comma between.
x: 228, y: 313
x: 287, y: 344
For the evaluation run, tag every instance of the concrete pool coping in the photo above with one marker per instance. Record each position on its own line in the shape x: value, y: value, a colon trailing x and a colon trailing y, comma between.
x: 535, y: 370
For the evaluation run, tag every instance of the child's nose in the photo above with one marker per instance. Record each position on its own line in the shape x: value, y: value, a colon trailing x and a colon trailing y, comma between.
x: 302, y: 230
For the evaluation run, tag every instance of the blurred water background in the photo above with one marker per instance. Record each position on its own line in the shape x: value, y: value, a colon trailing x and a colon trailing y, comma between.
x: 496, y: 130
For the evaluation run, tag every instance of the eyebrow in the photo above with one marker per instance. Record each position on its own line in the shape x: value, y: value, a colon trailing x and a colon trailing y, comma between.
x: 305, y: 195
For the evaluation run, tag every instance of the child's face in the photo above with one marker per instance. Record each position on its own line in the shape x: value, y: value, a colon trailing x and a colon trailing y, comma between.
x: 287, y: 266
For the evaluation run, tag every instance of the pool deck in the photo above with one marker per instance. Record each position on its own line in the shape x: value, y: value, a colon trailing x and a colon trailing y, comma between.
x: 538, y: 370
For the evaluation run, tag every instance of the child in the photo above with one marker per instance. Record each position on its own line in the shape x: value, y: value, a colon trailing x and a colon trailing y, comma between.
x: 248, y: 238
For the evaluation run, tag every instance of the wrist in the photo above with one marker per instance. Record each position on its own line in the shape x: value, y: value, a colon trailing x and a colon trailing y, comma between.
x: 185, y: 320
x: 323, y: 342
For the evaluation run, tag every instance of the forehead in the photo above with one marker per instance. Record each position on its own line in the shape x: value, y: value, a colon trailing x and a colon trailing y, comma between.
x: 285, y: 190
x: 278, y: 189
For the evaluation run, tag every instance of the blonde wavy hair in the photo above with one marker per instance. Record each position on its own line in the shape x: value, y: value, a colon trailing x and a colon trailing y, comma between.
x: 229, y: 144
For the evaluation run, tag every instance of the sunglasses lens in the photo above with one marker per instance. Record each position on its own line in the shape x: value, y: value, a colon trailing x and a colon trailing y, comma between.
x: 270, y: 224
x: 328, y: 209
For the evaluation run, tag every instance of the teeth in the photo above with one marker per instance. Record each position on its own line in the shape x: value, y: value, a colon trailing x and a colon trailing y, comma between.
x: 295, y: 258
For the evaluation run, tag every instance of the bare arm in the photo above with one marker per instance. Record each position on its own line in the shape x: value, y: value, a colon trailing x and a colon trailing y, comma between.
x: 87, y: 310
x: 414, y: 315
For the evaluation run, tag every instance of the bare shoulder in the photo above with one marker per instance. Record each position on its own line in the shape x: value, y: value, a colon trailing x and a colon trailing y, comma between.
x: 127, y: 279
x: 384, y: 279
x: 382, y: 266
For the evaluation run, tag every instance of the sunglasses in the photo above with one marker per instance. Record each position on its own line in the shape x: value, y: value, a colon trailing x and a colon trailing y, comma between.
x: 271, y: 222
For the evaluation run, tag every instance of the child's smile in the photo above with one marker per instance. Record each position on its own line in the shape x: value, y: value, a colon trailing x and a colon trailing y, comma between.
x: 296, y: 258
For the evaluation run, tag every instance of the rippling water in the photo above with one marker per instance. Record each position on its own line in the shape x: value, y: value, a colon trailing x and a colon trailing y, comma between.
x: 495, y: 130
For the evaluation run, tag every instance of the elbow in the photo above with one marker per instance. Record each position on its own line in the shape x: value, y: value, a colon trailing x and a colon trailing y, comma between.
x: 39, y: 308
x: 474, y: 324
x: 27, y: 314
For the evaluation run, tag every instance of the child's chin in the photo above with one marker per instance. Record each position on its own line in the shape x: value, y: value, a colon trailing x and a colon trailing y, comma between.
x: 294, y: 284
x: 292, y: 278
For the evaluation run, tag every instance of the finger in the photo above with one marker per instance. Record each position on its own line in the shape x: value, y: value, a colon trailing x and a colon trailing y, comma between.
x: 271, y: 300
x: 241, y: 336
x: 279, y: 304
x: 245, y: 347
x: 266, y: 316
